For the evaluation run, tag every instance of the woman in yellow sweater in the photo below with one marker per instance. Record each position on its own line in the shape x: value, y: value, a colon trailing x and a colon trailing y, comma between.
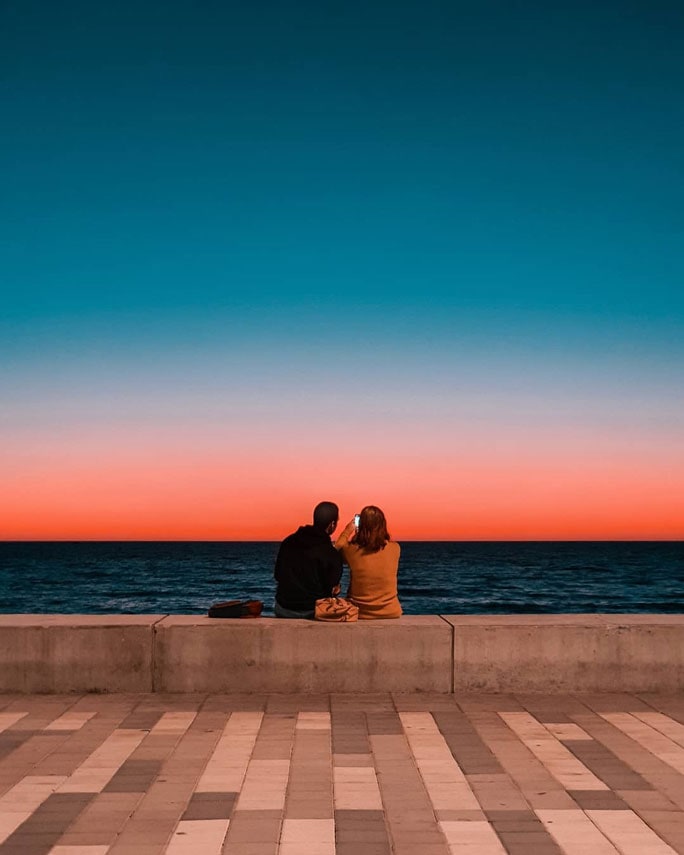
x: 373, y: 560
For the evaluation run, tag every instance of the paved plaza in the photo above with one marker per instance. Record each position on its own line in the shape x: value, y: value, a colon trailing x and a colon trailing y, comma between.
x: 341, y: 775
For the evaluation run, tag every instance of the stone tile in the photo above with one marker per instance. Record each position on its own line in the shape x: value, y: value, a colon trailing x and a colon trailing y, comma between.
x: 102, y: 820
x: 227, y: 765
x: 575, y: 833
x: 613, y: 702
x: 45, y: 825
x: 141, y: 719
x: 533, y: 779
x: 365, y: 702
x: 652, y: 769
x: 136, y: 848
x: 629, y: 833
x: 411, y: 848
x: 670, y: 705
x: 498, y: 815
x: 314, y: 836
x: 553, y: 754
x: 403, y: 766
x: 237, y: 702
x: 134, y: 776
x: 642, y: 800
x: 206, y: 806
x: 293, y: 704
x: 309, y: 809
x: 260, y: 848
x: 97, y: 770
x: 649, y: 738
x: 606, y: 765
x: 474, y: 702
x: 475, y: 837
x: 552, y: 708
x: 193, y: 836
x: 499, y: 796
x: 529, y: 843
x: 79, y: 850
x: 598, y: 800
x: 424, y: 702
x: 667, y: 825
x: 468, y: 749
x: 383, y: 724
x: 567, y: 732
x: 10, y: 740
x: 361, y: 848
x: 460, y: 816
x: 352, y: 760
x: 254, y: 826
x: 526, y: 826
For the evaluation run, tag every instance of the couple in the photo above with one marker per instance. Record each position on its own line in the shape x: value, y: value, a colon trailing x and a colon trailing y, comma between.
x: 309, y: 565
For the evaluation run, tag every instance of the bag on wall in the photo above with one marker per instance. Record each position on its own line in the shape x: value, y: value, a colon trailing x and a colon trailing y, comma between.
x: 336, y: 610
x: 236, y: 609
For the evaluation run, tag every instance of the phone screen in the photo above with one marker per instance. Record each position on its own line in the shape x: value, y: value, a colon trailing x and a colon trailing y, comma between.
x: 357, y: 520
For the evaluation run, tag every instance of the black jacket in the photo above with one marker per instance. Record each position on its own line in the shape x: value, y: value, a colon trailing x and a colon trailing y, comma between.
x: 307, y: 568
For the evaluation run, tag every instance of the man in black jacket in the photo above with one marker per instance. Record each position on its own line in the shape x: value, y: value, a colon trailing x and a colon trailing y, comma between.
x: 308, y: 566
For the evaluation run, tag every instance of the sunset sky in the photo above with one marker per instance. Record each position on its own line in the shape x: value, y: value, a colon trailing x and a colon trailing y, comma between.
x: 427, y: 255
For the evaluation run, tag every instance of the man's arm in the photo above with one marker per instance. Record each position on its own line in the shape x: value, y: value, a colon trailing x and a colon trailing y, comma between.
x: 335, y: 573
x: 277, y: 570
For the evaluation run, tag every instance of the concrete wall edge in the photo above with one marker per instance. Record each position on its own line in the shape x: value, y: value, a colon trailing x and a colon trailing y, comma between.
x: 483, y: 653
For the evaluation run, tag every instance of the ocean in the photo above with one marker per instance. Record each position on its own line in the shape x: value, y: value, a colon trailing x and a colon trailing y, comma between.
x: 434, y: 578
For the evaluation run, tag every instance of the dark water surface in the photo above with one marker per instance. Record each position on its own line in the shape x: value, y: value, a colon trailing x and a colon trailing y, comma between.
x: 461, y: 578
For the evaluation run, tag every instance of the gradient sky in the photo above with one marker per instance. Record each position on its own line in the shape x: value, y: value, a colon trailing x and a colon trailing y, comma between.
x: 423, y: 255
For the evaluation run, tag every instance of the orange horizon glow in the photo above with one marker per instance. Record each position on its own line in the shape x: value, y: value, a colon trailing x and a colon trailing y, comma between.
x: 151, y: 489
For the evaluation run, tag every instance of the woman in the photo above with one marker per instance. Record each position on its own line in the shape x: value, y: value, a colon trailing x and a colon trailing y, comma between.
x: 373, y: 560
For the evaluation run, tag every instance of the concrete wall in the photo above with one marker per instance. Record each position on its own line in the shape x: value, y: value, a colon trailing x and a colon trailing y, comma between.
x: 198, y: 654
x: 568, y: 653
x: 76, y: 653
x: 423, y: 653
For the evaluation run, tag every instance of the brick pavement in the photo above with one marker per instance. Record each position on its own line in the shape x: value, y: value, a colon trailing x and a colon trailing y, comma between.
x: 341, y: 775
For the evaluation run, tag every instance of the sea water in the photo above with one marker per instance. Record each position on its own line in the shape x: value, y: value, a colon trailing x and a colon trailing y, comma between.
x: 434, y: 578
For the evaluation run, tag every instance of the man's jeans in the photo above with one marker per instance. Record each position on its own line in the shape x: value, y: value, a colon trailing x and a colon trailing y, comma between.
x: 282, y: 612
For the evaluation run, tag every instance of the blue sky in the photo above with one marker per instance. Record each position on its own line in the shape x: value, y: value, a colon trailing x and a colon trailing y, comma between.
x: 431, y: 199
x: 171, y: 157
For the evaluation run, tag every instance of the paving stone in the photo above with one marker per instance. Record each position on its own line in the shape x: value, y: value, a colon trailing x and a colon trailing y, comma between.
x: 598, y: 800
x: 43, y: 828
x: 405, y: 766
x: 640, y: 800
x: 606, y: 765
x: 210, y: 806
x: 529, y: 843
x: 384, y: 723
x: 668, y: 825
x: 468, y: 749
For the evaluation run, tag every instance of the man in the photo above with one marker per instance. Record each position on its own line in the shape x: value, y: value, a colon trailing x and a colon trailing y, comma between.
x: 308, y: 566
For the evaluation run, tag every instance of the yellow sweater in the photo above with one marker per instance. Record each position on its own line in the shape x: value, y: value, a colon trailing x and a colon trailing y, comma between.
x: 373, y: 582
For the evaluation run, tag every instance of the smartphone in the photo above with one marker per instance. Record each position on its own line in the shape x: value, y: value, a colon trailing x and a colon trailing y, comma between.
x: 357, y: 520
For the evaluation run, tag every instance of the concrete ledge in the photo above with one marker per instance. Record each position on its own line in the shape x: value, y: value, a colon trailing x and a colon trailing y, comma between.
x: 568, y: 653
x: 422, y: 653
x: 198, y: 654
x: 76, y: 653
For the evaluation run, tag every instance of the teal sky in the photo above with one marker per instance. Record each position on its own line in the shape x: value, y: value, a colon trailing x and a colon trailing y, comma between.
x: 436, y: 201
x: 173, y: 158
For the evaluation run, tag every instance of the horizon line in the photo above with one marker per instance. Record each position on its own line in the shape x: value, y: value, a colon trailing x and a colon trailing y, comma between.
x: 403, y: 540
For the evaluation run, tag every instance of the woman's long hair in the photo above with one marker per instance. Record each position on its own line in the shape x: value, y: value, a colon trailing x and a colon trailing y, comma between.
x: 372, y: 534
